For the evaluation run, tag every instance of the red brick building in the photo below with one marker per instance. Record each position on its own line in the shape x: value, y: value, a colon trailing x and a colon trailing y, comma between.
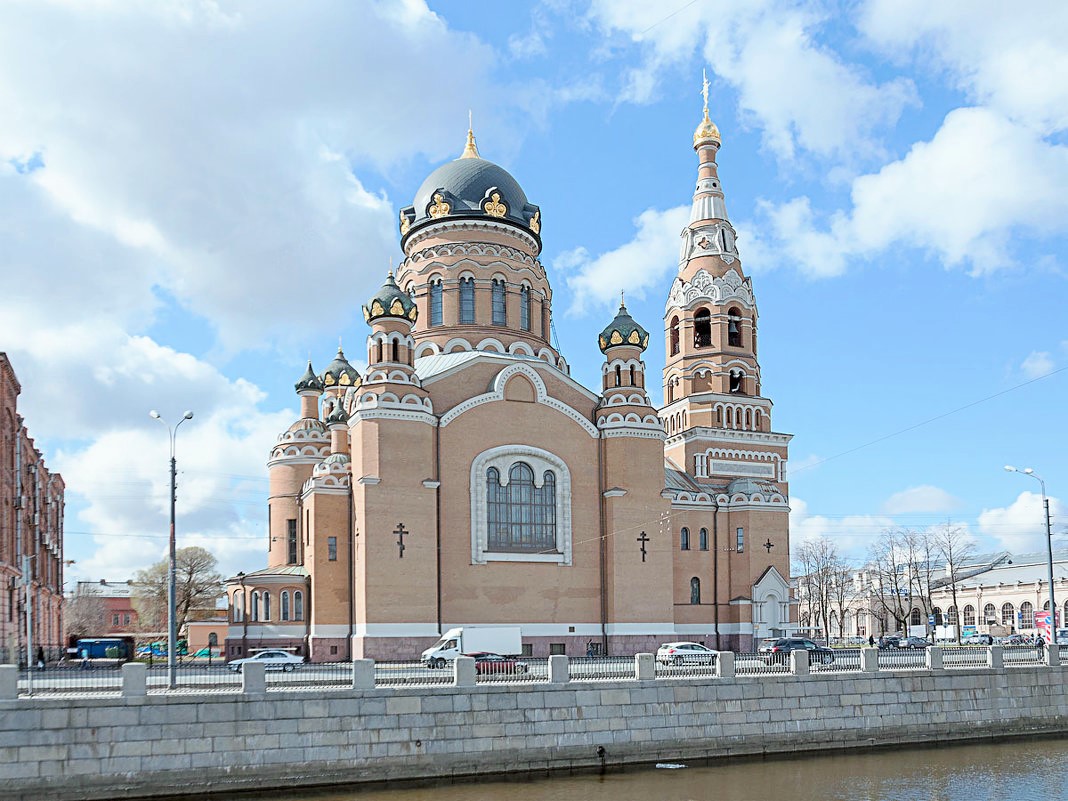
x: 31, y: 525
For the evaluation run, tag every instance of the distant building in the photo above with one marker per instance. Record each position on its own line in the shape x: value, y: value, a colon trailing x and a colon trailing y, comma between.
x: 31, y: 525
x: 116, y: 611
x: 465, y: 478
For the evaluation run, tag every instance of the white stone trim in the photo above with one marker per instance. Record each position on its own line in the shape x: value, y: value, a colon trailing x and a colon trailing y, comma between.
x: 293, y: 628
x: 395, y: 630
x: 431, y: 483
x: 659, y: 629
x: 369, y: 480
x: 502, y: 458
x: 497, y: 394
x: 333, y: 630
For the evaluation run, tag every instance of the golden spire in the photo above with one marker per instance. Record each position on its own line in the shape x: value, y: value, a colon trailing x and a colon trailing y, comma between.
x: 707, y: 130
x: 470, y: 149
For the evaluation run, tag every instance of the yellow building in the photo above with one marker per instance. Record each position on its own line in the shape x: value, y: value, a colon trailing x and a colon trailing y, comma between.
x: 464, y: 478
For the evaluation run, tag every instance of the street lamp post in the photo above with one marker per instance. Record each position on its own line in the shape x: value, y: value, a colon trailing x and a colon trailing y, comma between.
x: 172, y: 591
x: 244, y: 617
x: 1027, y: 471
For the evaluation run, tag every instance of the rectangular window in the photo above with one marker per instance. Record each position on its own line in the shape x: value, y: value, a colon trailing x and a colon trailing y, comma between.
x: 114, y: 620
x: 291, y: 541
x: 333, y: 650
x: 126, y: 620
x: 435, y: 303
x: 500, y: 311
x: 467, y: 300
x: 524, y: 308
x: 528, y: 649
x: 741, y: 540
x: 557, y: 649
x: 331, y: 549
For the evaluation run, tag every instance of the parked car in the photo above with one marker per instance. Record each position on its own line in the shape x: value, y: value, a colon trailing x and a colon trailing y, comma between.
x: 271, y: 660
x: 777, y: 651
x: 685, y: 653
x: 913, y: 642
x: 486, y: 662
x: 889, y: 642
x: 1015, y: 639
x: 979, y: 639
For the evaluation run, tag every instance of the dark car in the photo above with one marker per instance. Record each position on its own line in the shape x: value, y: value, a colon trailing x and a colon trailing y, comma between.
x: 913, y: 642
x: 486, y: 662
x: 776, y: 652
x: 889, y: 642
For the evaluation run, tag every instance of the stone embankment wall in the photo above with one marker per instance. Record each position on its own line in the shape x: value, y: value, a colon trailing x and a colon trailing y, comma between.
x: 142, y: 745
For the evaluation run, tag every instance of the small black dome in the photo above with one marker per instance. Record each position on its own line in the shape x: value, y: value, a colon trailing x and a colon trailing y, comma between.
x: 309, y: 380
x: 623, y: 331
x: 390, y: 301
x: 340, y: 373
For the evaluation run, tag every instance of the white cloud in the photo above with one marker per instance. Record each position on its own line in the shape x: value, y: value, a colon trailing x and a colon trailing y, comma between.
x: 211, y: 151
x: 853, y: 534
x: 801, y: 94
x: 921, y: 499
x: 1013, y: 62
x: 1021, y: 526
x: 640, y: 264
x: 1037, y: 364
x: 942, y: 197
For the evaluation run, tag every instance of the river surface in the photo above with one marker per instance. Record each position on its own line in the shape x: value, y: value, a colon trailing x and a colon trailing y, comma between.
x: 1015, y: 770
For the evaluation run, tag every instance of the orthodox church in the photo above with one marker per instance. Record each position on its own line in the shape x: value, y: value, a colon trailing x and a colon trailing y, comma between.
x: 464, y: 478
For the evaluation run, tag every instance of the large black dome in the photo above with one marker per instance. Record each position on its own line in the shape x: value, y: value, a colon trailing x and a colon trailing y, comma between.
x: 471, y: 187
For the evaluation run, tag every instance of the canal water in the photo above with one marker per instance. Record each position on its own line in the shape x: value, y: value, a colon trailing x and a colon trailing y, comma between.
x: 1015, y: 770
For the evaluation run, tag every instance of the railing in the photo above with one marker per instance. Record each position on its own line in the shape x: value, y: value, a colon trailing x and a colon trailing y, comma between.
x: 902, y: 658
x: 761, y: 664
x: 101, y: 677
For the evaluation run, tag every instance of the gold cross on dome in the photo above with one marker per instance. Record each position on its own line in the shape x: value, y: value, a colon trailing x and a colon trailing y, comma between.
x: 704, y: 88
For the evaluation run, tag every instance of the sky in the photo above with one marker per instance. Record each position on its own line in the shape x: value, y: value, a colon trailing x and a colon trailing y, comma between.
x: 197, y: 195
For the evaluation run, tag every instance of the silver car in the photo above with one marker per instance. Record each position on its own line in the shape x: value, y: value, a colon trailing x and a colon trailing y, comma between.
x: 271, y: 660
x: 685, y: 653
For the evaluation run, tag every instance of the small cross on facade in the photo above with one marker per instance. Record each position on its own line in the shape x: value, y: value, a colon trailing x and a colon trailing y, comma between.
x: 643, y: 539
x: 769, y: 545
x: 400, y: 532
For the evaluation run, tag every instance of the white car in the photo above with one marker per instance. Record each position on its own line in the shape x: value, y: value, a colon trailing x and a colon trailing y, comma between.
x: 271, y: 660
x: 685, y: 653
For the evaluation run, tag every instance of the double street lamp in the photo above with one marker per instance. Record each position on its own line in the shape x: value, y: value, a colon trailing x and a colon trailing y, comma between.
x: 1027, y: 471
x: 172, y: 592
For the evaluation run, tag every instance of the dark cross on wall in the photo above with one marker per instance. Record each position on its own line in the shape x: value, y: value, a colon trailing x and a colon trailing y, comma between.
x: 769, y: 545
x: 400, y: 532
x: 642, y: 539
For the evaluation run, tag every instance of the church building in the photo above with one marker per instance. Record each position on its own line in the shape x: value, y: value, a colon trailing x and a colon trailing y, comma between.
x: 464, y: 478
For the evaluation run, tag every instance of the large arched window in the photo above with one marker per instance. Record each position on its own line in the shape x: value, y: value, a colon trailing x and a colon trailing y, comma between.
x: 1027, y: 615
x: 467, y: 300
x: 255, y: 606
x: 521, y: 515
x: 298, y: 605
x: 500, y: 310
x: 702, y: 328
x: 915, y: 618
x: 951, y: 616
x: 213, y: 639
x: 969, y: 615
x: 684, y: 539
x: 674, y: 335
x: 990, y: 614
x: 695, y: 590
x: 734, y: 329
x: 285, y: 604
x: 1008, y: 615
x: 524, y: 308
x: 937, y: 612
x: 266, y: 605
x: 702, y: 539
x: 239, y: 606
x: 435, y: 302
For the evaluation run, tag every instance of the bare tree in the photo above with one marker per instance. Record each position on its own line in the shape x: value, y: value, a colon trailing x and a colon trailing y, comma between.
x: 198, y: 585
x: 922, y: 554
x: 84, y: 614
x: 841, y: 591
x: 817, y: 564
x: 956, y: 547
x: 889, y: 564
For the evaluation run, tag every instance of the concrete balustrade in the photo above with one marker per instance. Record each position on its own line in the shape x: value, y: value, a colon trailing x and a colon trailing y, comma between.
x: 995, y: 656
x: 559, y: 669
x: 725, y: 665
x: 869, y: 660
x: 9, y: 682
x: 799, y: 663
x: 253, y: 678
x: 933, y: 658
x: 463, y: 668
x: 135, y: 680
x: 363, y: 674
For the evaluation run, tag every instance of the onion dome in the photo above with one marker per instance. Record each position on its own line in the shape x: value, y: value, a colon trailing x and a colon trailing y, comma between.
x: 340, y: 373
x: 623, y: 331
x: 306, y: 424
x: 390, y: 301
x: 337, y: 458
x: 339, y: 415
x: 309, y: 381
x: 470, y: 188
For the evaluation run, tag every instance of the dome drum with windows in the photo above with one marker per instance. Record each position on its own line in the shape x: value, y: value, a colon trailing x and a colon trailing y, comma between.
x: 623, y: 331
x: 390, y: 301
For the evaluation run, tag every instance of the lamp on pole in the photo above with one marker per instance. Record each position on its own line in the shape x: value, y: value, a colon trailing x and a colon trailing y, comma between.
x: 1027, y: 471
x: 172, y: 592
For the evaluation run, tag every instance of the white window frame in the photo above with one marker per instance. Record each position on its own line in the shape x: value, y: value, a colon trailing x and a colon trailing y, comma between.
x: 503, y: 458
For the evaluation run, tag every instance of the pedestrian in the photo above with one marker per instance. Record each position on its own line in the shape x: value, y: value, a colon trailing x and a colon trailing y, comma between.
x: 871, y: 640
x: 40, y: 658
x: 1040, y: 644
x: 589, y: 648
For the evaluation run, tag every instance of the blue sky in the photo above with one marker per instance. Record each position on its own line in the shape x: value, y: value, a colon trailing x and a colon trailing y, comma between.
x: 194, y: 196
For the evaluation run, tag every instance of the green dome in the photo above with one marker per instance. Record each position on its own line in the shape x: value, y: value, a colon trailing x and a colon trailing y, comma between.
x: 340, y: 373
x: 623, y: 332
x: 309, y: 380
x: 390, y: 301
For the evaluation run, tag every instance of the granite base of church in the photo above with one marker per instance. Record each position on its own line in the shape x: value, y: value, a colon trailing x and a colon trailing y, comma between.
x: 159, y: 745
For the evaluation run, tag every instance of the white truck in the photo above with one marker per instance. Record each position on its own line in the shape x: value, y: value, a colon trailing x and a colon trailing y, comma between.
x: 503, y: 640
